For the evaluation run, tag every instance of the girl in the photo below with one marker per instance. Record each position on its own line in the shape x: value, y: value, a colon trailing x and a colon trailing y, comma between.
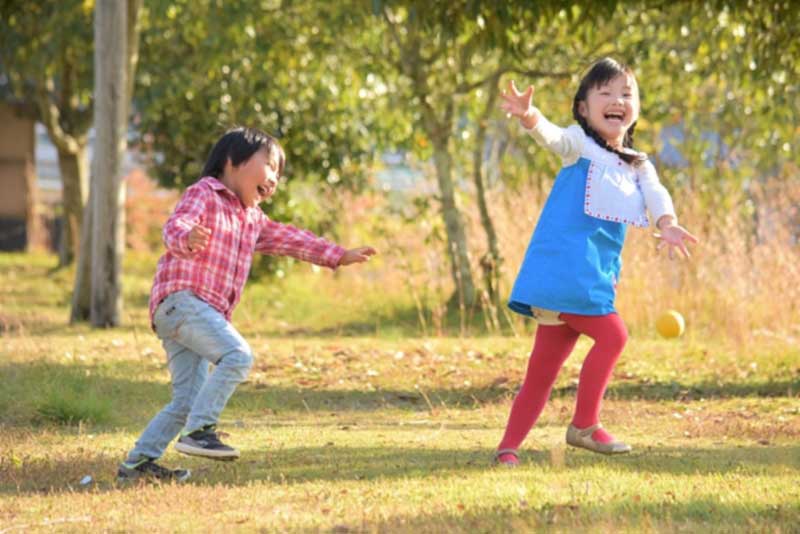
x: 568, y: 278
x: 210, y: 240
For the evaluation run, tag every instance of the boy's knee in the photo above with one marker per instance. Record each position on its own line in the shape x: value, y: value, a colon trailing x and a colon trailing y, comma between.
x: 240, y: 359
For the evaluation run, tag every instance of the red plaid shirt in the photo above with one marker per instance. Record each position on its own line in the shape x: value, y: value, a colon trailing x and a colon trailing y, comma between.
x: 218, y: 273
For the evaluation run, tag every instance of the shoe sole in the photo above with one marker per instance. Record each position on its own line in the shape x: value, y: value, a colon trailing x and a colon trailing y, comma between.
x: 599, y: 451
x: 145, y: 478
x: 224, y: 456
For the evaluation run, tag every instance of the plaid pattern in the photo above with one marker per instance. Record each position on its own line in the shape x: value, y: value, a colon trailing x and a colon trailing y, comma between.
x: 218, y: 273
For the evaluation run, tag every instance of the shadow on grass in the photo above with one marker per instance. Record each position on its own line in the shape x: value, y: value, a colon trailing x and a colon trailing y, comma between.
x: 129, y: 400
x: 296, y: 465
x: 673, y: 390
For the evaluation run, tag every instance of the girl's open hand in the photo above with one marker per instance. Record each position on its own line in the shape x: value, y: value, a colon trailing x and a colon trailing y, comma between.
x: 675, y: 237
x: 357, y: 255
x: 519, y: 104
x: 199, y: 236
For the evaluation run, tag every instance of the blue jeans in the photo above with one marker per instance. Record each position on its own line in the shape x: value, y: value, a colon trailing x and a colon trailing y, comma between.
x: 194, y: 334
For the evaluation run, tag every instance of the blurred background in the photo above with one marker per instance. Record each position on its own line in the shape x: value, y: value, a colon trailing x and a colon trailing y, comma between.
x: 389, y: 115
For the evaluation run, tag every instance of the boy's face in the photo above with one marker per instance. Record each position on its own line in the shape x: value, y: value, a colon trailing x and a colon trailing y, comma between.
x: 612, y: 108
x: 254, y: 180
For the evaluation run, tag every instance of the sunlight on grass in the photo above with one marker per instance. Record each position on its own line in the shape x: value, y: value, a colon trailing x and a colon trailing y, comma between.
x: 350, y: 424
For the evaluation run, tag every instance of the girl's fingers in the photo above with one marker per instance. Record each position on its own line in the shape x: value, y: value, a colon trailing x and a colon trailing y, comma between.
x: 691, y: 237
x: 528, y: 93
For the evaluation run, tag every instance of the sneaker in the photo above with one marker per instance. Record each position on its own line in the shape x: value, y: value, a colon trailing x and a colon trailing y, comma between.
x: 206, y: 443
x: 148, y: 469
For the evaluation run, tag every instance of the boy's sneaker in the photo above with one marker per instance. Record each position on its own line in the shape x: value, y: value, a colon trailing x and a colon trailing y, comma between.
x: 206, y: 443
x: 148, y: 469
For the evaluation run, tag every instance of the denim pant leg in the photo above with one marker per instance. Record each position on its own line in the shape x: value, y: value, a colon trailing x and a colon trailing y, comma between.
x: 205, y: 331
x: 188, y: 371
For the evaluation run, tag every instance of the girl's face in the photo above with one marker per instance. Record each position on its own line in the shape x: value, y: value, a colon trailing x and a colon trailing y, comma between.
x: 254, y: 180
x: 612, y: 108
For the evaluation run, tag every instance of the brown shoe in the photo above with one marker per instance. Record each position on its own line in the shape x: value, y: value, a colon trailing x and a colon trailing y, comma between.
x: 582, y: 437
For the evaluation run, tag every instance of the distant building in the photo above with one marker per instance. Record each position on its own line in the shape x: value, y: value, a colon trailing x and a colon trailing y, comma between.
x: 20, y: 219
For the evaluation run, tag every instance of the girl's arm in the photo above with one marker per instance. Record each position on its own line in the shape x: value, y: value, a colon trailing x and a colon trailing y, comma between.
x: 567, y: 143
x: 656, y: 196
x: 659, y: 204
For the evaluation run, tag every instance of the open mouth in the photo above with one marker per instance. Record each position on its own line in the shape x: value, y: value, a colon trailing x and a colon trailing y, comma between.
x: 262, y: 191
x: 614, y: 116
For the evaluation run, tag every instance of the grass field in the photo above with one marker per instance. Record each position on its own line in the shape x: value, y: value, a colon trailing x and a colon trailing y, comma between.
x: 352, y: 422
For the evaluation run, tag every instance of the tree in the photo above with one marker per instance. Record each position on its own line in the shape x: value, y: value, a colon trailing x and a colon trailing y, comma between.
x: 97, y: 293
x: 273, y: 65
x: 45, y: 51
x: 448, y: 52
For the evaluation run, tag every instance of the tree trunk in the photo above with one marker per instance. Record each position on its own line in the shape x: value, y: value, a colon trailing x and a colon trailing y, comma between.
x: 108, y: 195
x: 491, y: 261
x: 75, y: 189
x: 33, y: 237
x: 82, y: 292
x: 81, y: 305
x: 453, y: 222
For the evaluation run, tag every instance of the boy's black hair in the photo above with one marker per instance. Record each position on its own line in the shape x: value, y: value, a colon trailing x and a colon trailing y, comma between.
x: 600, y: 73
x: 238, y: 145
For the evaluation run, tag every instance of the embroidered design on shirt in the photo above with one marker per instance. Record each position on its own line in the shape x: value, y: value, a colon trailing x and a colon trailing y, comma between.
x: 613, y: 195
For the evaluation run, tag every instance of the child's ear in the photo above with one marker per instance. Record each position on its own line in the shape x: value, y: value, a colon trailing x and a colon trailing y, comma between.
x: 582, y: 109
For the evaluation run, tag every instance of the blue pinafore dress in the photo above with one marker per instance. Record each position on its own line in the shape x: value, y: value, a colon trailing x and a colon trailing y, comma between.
x: 572, y: 263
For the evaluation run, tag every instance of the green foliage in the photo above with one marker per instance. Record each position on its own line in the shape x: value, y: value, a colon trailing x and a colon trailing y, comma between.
x: 46, y: 53
x: 207, y: 66
x: 73, y: 405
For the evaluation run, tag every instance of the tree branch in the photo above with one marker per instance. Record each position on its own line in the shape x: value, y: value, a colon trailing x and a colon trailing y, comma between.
x: 51, y: 118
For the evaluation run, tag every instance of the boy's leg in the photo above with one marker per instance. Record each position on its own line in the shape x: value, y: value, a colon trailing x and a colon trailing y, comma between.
x: 610, y: 336
x: 204, y: 331
x: 553, y: 345
x: 188, y: 373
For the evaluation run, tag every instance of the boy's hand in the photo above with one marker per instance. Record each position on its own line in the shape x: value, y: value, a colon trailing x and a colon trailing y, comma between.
x: 519, y: 105
x: 199, y: 236
x: 357, y: 255
x: 675, y: 237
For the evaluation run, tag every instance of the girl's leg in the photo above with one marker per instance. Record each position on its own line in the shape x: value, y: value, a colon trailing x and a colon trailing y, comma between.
x: 609, y: 334
x: 188, y: 373
x: 551, y: 348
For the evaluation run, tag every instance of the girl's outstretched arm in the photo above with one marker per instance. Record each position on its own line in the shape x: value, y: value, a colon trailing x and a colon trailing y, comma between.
x: 567, y: 143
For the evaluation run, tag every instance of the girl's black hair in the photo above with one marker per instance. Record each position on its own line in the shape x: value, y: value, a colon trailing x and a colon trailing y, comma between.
x: 238, y: 145
x: 600, y: 73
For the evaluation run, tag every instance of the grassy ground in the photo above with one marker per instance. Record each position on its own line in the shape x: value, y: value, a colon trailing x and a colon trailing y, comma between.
x: 351, y: 423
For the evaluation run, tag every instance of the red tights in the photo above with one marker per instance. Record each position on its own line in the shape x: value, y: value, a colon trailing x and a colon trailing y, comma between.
x: 553, y: 345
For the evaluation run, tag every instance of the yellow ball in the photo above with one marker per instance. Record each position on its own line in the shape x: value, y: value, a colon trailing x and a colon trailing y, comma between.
x: 670, y: 324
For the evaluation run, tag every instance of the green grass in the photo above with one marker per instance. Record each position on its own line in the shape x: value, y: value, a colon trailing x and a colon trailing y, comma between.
x: 351, y: 423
